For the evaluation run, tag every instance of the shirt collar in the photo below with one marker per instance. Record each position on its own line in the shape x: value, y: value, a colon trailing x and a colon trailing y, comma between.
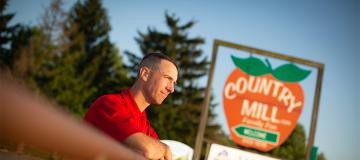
x: 135, y: 111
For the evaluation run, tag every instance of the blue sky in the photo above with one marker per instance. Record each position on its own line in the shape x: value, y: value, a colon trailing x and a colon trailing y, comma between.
x: 323, y: 31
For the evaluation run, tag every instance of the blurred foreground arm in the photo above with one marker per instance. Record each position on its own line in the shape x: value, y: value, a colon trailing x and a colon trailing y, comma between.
x: 151, y: 148
x: 36, y: 122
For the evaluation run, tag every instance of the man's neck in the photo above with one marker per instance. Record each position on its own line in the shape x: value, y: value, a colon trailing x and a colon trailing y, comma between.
x: 139, y: 97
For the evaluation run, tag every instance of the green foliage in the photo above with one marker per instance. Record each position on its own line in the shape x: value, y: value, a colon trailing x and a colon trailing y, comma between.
x: 79, y: 61
x: 68, y: 57
x: 7, y: 33
x: 179, y: 117
x: 294, y: 147
x: 100, y: 63
x: 321, y: 156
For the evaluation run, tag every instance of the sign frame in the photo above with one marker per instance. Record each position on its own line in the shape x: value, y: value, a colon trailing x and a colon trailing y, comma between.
x: 205, y: 107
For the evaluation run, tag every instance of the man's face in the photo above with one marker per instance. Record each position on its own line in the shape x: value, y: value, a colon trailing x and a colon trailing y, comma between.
x: 161, y: 82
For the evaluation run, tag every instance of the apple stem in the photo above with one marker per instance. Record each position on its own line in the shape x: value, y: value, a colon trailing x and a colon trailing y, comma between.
x: 269, y: 65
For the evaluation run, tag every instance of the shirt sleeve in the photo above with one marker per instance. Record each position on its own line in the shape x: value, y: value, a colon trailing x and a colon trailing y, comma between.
x: 110, y: 114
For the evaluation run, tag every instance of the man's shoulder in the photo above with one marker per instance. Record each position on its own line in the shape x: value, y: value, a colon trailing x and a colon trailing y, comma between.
x: 107, y: 102
x: 111, y: 98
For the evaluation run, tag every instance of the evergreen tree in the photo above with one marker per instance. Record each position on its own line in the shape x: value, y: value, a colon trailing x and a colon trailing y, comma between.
x: 6, y: 35
x: 294, y: 147
x: 321, y: 156
x: 39, y: 59
x: 178, y: 117
x: 20, y: 48
x: 97, y: 62
x: 67, y: 59
x: 61, y: 83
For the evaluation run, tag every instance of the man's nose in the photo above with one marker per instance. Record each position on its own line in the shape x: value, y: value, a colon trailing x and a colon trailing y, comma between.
x: 170, y: 88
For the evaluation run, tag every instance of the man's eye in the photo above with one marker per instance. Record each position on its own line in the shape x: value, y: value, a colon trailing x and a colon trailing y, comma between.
x: 167, y: 77
x: 171, y: 80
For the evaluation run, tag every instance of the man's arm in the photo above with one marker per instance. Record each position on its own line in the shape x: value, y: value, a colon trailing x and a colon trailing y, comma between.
x: 151, y: 148
x: 21, y: 111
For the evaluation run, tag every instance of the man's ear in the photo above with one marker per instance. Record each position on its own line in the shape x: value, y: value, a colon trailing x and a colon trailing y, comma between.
x: 144, y: 73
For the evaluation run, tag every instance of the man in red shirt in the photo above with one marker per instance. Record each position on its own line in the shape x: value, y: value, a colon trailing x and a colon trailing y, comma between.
x: 123, y: 116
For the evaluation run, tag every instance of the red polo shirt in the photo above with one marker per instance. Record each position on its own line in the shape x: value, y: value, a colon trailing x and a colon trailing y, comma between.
x: 119, y: 116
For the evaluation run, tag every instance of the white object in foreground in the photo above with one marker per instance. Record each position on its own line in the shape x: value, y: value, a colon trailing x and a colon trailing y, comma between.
x: 180, y: 151
x: 220, y: 152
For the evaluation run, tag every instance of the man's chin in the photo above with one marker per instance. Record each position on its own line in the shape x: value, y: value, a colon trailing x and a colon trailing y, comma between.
x: 159, y: 102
